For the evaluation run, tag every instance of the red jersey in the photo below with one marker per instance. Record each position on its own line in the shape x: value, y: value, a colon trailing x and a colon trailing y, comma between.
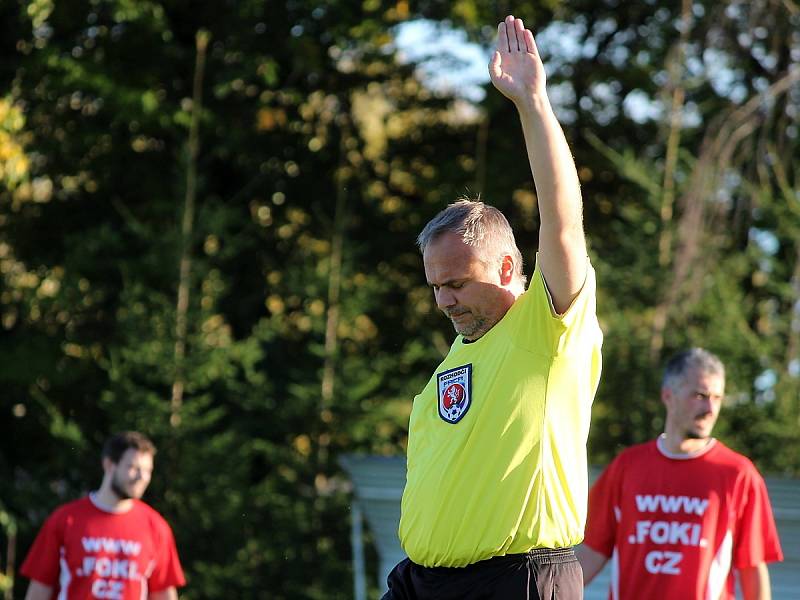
x: 674, y: 525
x: 85, y: 552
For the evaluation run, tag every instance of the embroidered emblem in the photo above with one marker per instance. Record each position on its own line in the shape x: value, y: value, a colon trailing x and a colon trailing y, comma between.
x: 454, y: 389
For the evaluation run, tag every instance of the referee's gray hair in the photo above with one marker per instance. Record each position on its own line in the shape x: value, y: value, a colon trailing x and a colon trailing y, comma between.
x: 683, y: 362
x: 481, y: 226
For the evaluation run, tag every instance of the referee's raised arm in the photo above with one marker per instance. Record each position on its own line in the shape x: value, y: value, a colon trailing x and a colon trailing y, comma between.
x: 517, y: 72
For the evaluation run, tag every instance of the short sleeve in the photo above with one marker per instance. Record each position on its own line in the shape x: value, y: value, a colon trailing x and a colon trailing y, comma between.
x: 42, y: 561
x: 601, y: 521
x: 542, y: 330
x: 756, y: 537
x: 168, y: 571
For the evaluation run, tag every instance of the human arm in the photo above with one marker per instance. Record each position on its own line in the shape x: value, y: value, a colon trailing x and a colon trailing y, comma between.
x: 167, y: 576
x: 41, y: 565
x: 604, y: 513
x: 757, y: 542
x: 38, y: 591
x: 517, y: 72
x: 167, y: 594
x: 755, y: 582
x: 592, y: 562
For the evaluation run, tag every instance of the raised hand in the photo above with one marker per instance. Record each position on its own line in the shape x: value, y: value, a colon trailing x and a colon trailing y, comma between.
x: 517, y: 72
x: 516, y: 69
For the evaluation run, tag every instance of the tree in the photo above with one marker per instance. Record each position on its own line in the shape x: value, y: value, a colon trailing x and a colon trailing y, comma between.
x: 319, y: 155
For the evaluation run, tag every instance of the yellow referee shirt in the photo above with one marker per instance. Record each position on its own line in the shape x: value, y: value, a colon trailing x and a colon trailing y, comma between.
x: 497, y: 439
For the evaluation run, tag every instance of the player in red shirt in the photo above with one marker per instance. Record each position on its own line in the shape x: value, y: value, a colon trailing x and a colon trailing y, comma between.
x: 109, y: 545
x: 677, y: 515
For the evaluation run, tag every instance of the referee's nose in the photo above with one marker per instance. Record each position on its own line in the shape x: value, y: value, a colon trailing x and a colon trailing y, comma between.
x: 445, y: 298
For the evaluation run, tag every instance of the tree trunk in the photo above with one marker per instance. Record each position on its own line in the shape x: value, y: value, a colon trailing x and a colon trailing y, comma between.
x: 187, y: 229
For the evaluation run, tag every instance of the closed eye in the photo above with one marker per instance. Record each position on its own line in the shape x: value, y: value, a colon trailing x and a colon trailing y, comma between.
x: 453, y: 285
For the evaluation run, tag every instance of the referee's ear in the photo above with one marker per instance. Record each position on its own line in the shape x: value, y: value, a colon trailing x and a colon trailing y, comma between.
x: 506, y: 270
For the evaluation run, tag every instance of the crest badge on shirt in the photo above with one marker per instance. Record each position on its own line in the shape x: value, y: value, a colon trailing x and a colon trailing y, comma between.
x: 454, y: 390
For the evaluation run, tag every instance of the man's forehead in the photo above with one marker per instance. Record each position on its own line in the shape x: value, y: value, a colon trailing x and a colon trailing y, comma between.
x: 134, y: 456
x: 439, y: 271
x: 705, y: 380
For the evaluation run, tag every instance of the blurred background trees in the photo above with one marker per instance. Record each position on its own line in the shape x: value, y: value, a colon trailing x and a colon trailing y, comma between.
x: 207, y: 225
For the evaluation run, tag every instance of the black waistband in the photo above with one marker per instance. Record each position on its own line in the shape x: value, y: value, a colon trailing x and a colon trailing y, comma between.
x: 551, y: 556
x: 542, y: 556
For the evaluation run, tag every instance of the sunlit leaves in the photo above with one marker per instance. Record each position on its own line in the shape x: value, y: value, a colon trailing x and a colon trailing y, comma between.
x: 14, y: 163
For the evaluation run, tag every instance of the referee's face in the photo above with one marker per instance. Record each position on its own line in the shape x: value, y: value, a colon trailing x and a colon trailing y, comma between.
x: 473, y: 295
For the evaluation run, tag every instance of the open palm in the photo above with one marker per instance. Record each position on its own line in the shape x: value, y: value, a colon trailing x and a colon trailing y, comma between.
x: 516, y: 69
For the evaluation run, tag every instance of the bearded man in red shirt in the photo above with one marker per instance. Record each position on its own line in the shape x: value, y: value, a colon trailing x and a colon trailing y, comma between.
x: 109, y: 544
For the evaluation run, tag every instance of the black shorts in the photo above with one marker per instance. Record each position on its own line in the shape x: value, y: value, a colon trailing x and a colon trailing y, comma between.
x: 541, y: 574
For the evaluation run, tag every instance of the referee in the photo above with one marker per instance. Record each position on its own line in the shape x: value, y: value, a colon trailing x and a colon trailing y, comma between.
x: 497, y: 482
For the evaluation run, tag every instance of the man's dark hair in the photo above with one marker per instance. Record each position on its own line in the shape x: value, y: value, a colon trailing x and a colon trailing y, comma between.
x: 119, y: 443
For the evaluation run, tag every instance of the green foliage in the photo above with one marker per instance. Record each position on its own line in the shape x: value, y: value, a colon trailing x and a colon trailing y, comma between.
x: 310, y: 326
